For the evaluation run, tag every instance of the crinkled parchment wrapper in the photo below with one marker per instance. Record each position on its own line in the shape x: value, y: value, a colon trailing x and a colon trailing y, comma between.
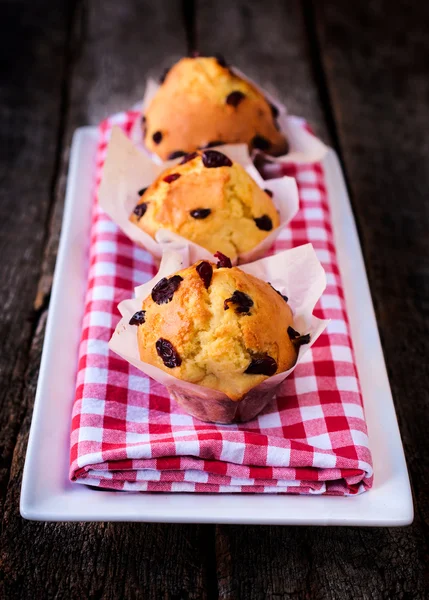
x: 304, y: 147
x: 296, y: 273
x: 127, y: 169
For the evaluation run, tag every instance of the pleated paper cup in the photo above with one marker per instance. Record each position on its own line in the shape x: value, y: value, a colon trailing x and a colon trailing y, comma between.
x: 127, y: 170
x: 296, y: 273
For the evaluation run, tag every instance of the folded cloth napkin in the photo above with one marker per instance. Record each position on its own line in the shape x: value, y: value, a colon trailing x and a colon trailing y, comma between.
x: 127, y: 434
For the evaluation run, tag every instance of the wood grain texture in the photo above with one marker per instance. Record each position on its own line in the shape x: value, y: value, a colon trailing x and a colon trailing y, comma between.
x: 109, y: 53
x: 32, y: 46
x: 377, y: 63
x: 268, y: 42
x: 271, y: 42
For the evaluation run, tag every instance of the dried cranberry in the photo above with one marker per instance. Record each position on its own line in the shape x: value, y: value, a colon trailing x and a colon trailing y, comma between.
x: 274, y: 110
x: 234, y: 98
x: 303, y: 339
x: 224, y: 262
x: 172, y: 177
x: 168, y: 353
x: 297, y: 338
x: 142, y: 191
x: 157, y: 137
x: 140, y: 209
x: 143, y: 119
x: 262, y: 365
x: 163, y: 291
x: 261, y: 143
x: 200, y: 213
x: 221, y: 60
x: 213, y: 159
x: 242, y: 301
x: 213, y: 144
x: 176, y: 154
x: 285, y: 298
x: 138, y: 317
x: 264, y: 223
x: 188, y: 157
x: 164, y: 75
x: 205, y: 271
x: 268, y: 192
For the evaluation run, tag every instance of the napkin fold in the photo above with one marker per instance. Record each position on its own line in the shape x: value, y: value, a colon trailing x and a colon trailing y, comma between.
x: 127, y: 434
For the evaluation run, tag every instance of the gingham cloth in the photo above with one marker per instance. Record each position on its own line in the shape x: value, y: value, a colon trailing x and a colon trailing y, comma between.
x: 127, y: 434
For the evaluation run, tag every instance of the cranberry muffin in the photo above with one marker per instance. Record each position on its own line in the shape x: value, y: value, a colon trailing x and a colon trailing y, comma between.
x: 209, y: 200
x: 216, y: 326
x: 202, y: 103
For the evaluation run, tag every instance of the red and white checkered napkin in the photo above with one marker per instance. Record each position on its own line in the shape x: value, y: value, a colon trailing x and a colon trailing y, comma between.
x: 127, y: 434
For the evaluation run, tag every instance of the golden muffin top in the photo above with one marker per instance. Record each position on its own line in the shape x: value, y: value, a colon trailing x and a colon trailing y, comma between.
x: 217, y: 326
x: 202, y: 103
x: 209, y: 200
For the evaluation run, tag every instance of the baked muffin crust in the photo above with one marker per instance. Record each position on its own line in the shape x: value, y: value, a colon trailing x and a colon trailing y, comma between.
x: 221, y: 208
x: 201, y: 102
x: 217, y: 327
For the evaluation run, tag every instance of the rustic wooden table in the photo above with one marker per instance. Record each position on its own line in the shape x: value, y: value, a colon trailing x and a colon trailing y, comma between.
x: 358, y: 71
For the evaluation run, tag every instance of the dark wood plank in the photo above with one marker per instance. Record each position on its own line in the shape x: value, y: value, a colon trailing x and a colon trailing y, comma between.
x: 376, y: 58
x: 273, y: 41
x: 33, y: 43
x: 111, y: 50
x: 268, y: 42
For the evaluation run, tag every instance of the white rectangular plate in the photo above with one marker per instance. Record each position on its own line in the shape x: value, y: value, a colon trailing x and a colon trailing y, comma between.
x: 48, y: 495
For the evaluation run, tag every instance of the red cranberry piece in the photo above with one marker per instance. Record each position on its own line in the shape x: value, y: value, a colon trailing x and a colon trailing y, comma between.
x: 212, y: 144
x: 292, y: 333
x: 264, y: 223
x: 261, y: 143
x: 157, y: 137
x: 164, y: 75
x: 163, y: 291
x: 242, y: 301
x: 224, y: 262
x: 140, y: 209
x: 262, y: 365
x: 234, y: 98
x: 142, y: 191
x: 297, y: 338
x: 205, y: 271
x: 285, y: 298
x: 213, y: 159
x: 168, y: 353
x: 138, y: 317
x: 269, y: 193
x: 188, y: 157
x: 274, y: 110
x: 200, y: 213
x: 176, y: 154
x: 221, y: 60
x: 172, y: 177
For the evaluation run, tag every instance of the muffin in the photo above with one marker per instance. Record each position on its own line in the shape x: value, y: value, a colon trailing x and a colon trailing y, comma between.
x: 216, y: 326
x: 209, y: 200
x: 202, y: 103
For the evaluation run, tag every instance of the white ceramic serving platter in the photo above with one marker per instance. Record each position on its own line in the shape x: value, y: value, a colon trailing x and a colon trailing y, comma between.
x: 48, y: 495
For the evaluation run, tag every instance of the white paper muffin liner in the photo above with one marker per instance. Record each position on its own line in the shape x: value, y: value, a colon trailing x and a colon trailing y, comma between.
x: 127, y: 169
x: 304, y: 147
x: 296, y: 273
